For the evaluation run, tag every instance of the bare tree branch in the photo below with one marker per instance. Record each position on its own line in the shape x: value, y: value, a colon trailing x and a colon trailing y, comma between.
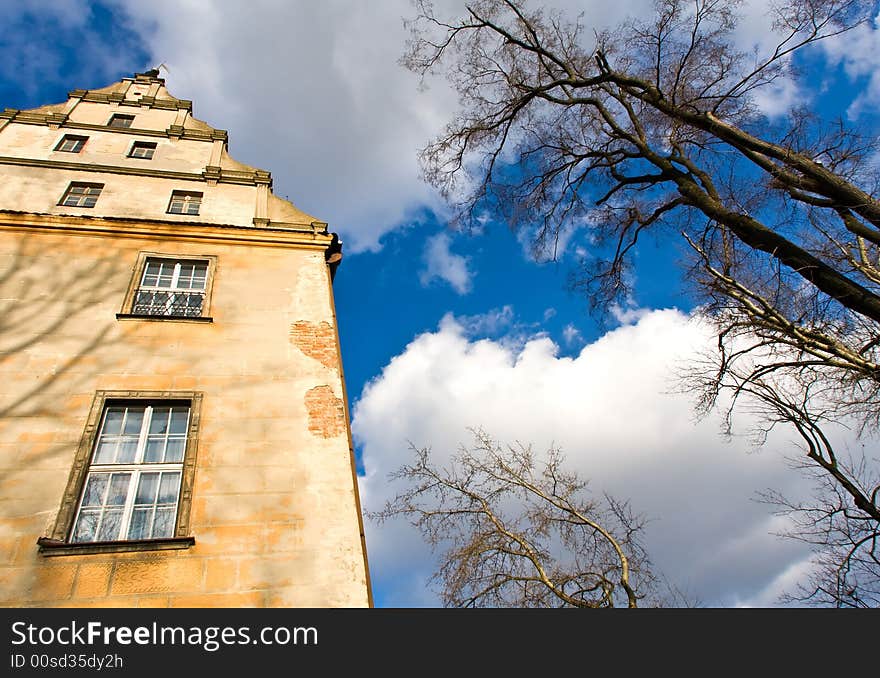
x: 517, y: 532
x: 656, y: 124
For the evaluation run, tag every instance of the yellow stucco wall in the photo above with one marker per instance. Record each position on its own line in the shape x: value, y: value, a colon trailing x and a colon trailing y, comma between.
x: 274, y: 512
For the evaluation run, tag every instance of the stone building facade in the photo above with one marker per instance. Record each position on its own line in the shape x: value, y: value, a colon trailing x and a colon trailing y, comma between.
x: 173, y: 420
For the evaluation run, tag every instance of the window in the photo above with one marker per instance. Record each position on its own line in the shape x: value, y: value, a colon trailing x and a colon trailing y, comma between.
x: 119, y: 120
x: 81, y: 195
x: 170, y: 287
x: 142, y: 149
x: 132, y: 488
x: 185, y: 202
x: 71, y: 143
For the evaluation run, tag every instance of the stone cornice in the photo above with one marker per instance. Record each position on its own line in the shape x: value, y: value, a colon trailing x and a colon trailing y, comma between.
x: 210, y: 173
x: 59, y: 119
x: 311, y: 236
x: 119, y: 98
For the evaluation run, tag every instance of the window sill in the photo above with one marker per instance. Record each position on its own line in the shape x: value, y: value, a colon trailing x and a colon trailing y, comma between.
x: 176, y: 318
x: 55, y: 547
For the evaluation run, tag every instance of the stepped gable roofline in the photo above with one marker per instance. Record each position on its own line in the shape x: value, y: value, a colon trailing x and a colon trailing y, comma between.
x: 152, y: 92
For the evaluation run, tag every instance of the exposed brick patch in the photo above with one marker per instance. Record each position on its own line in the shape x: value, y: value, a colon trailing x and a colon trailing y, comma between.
x: 326, y: 415
x: 316, y: 340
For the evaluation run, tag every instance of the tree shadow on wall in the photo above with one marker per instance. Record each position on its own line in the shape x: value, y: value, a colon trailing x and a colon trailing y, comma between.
x: 58, y: 335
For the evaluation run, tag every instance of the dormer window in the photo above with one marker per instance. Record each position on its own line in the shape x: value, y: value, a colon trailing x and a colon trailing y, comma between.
x: 185, y: 202
x: 120, y: 121
x: 71, y: 143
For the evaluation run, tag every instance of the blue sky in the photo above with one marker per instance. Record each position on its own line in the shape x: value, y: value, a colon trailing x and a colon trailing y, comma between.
x: 443, y: 330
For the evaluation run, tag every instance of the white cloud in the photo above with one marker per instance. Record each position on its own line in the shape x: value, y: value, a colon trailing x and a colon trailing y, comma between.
x: 312, y: 92
x: 571, y: 335
x: 615, y: 411
x: 859, y: 52
x: 487, y: 324
x: 629, y: 314
x: 441, y: 264
x: 779, y: 97
x: 786, y: 582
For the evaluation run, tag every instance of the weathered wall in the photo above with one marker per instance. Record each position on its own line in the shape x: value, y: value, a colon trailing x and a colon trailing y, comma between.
x: 274, y: 511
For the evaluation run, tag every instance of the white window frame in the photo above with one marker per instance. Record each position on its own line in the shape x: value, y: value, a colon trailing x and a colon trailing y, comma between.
x: 89, y: 191
x: 142, y: 146
x: 175, y: 280
x: 185, y: 198
x: 77, y: 141
x: 136, y: 467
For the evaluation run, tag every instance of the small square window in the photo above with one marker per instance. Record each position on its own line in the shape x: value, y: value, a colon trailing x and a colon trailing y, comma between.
x: 142, y: 149
x: 81, y: 195
x: 119, y: 120
x: 185, y: 202
x: 71, y: 143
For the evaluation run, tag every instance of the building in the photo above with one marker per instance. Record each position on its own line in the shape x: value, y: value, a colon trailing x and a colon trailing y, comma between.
x: 173, y: 419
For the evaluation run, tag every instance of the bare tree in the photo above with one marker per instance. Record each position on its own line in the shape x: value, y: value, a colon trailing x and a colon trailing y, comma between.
x: 845, y: 569
x: 655, y: 126
x: 841, y: 520
x: 517, y: 531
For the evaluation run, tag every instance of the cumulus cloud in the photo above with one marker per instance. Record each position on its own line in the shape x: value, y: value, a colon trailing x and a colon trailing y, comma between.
x: 628, y: 314
x: 615, y: 411
x: 488, y: 324
x: 442, y: 264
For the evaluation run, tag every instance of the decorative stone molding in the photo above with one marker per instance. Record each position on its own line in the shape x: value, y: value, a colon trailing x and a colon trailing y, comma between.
x: 215, y: 174
x: 274, y: 234
x: 174, y: 131
x: 55, y: 120
x: 169, y: 104
x: 212, y: 174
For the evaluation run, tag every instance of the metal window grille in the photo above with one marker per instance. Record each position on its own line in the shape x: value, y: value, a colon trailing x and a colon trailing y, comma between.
x: 172, y: 288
